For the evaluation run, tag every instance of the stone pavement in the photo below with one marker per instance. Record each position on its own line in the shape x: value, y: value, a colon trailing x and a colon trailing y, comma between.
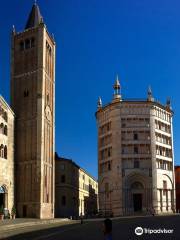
x: 9, y: 226
x: 65, y: 229
x: 8, y: 223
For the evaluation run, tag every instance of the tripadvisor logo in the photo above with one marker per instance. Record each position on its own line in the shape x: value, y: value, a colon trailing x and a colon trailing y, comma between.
x: 139, y: 231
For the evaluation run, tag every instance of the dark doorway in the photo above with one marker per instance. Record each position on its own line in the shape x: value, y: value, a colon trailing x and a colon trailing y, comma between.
x: 24, y: 211
x: 137, y: 200
x: 1, y: 199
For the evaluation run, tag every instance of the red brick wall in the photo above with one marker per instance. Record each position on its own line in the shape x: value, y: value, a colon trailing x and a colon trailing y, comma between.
x: 177, y: 180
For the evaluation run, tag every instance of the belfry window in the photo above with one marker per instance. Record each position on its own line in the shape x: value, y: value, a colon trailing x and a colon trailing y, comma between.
x: 21, y: 46
x: 32, y: 42
x: 26, y: 93
x: 27, y: 44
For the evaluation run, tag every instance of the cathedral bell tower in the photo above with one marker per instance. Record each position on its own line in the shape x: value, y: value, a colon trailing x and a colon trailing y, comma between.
x: 33, y: 101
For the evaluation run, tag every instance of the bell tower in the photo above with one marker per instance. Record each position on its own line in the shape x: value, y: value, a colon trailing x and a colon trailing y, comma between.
x: 33, y: 102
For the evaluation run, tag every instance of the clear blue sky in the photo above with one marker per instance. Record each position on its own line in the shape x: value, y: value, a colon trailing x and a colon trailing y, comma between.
x: 139, y: 40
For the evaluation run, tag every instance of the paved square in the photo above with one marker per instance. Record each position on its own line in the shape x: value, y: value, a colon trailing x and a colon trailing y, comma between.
x: 123, y: 228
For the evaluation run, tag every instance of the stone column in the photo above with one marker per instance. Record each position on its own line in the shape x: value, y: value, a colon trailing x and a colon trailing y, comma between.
x: 167, y: 204
x: 173, y: 193
x: 161, y: 205
x: 153, y: 159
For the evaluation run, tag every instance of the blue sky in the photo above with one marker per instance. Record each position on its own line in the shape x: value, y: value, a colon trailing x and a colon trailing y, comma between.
x: 139, y: 40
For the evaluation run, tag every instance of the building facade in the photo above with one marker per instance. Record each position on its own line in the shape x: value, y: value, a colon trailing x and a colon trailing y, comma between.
x: 177, y: 180
x: 135, y: 156
x: 6, y: 155
x: 33, y: 100
x: 75, y: 191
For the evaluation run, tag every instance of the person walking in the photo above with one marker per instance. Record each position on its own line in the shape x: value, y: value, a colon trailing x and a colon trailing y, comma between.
x: 107, y: 229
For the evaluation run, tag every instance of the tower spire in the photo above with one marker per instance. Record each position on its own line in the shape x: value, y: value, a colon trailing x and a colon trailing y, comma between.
x: 117, y: 86
x: 35, y: 17
x: 149, y: 93
x: 13, y: 29
x: 168, y: 103
x: 99, y: 104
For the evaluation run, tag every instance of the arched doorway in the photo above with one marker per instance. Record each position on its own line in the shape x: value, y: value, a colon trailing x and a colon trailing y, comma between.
x: 3, y: 196
x: 137, y: 191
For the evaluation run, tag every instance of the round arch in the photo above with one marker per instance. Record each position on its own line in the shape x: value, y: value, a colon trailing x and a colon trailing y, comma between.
x: 169, y: 179
x: 3, y: 196
x: 136, y: 177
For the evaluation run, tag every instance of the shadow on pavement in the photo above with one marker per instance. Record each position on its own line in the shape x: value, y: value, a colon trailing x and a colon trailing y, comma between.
x: 31, y: 233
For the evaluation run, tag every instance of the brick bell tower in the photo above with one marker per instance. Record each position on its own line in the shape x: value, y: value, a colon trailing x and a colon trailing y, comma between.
x: 33, y: 101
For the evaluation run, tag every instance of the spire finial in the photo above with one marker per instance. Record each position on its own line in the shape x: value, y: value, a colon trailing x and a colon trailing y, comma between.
x: 117, y: 87
x: 99, y: 103
x: 150, y: 97
x: 117, y: 84
x: 117, y: 78
x: 13, y: 29
x: 168, y: 102
x: 35, y: 2
x: 149, y: 90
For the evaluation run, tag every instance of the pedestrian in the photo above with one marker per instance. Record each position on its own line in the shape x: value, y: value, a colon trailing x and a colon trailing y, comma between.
x: 153, y: 212
x: 107, y: 229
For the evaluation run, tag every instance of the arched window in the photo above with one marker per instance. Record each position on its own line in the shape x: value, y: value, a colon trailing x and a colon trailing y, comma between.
x: 21, y: 46
x: 2, y: 128
x: 26, y: 93
x: 5, y: 152
x: 5, y: 116
x: 32, y: 42
x: 5, y: 130
x: 2, y: 151
x: 27, y: 44
x: 2, y: 190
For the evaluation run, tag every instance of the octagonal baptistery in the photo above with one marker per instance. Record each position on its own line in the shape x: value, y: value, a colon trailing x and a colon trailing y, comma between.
x: 135, y: 156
